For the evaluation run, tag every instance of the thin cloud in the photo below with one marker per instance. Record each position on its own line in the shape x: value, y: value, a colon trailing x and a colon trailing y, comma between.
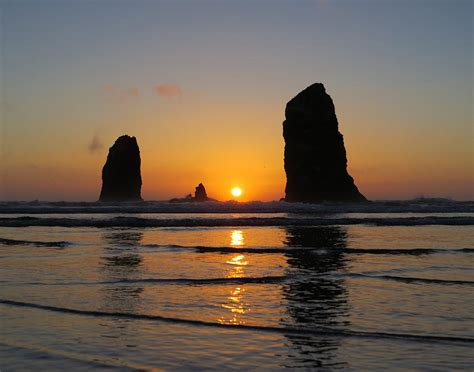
x: 117, y: 93
x: 95, y: 145
x: 109, y: 88
x: 168, y: 91
x: 133, y: 92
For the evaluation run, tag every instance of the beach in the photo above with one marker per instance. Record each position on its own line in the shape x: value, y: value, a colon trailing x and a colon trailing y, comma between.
x: 273, y: 285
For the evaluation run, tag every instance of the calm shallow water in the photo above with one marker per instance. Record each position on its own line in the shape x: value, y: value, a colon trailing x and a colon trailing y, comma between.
x: 353, y: 296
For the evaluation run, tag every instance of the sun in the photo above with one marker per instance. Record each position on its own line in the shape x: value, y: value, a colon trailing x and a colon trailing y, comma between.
x: 236, y: 192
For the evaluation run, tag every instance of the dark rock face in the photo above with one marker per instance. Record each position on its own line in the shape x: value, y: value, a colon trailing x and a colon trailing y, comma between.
x: 121, y: 177
x: 315, y: 157
x: 200, y: 193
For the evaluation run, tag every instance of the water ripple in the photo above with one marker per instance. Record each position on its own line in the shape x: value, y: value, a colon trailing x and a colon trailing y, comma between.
x: 60, y: 244
x: 282, y: 330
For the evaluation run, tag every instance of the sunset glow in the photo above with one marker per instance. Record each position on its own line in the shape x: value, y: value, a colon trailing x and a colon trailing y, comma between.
x: 236, y: 185
x: 63, y: 112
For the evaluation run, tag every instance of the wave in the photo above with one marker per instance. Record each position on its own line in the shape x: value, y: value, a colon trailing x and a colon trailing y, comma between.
x: 253, y: 280
x: 281, y: 279
x: 315, y: 250
x: 408, y: 279
x: 411, y: 251
x: 233, y: 222
x: 59, y: 244
x: 283, y: 330
x: 259, y: 250
x: 188, y: 281
x: 419, y: 205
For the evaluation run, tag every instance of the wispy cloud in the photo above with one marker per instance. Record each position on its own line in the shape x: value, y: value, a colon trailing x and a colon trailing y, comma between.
x: 133, y: 92
x: 95, y: 145
x: 117, y: 93
x: 168, y: 90
x: 109, y: 88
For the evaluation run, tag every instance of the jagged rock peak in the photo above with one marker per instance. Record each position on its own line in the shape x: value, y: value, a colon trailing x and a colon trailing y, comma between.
x: 121, y: 175
x: 200, y: 193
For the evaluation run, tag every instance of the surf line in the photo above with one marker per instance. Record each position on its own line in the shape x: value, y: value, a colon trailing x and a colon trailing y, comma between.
x: 280, y: 330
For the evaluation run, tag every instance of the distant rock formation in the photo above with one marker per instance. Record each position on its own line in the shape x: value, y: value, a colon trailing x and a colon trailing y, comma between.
x: 315, y: 157
x: 200, y: 193
x: 121, y: 177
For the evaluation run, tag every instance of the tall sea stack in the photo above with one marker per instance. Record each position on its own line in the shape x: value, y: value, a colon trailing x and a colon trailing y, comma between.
x: 315, y: 157
x: 121, y: 177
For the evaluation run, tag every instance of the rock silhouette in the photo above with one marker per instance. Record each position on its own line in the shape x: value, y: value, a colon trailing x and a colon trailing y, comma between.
x: 315, y: 157
x: 200, y: 193
x: 121, y: 177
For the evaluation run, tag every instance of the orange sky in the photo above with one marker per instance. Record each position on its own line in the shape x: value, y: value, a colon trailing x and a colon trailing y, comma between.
x: 203, y: 88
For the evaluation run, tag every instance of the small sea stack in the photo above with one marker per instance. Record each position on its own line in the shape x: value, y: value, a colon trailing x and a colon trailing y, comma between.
x: 121, y: 176
x: 315, y: 156
x: 200, y: 193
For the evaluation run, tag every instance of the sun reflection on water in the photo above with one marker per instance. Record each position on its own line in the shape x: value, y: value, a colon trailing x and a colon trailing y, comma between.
x: 236, y: 238
x: 235, y: 303
x: 237, y: 260
x: 236, y: 306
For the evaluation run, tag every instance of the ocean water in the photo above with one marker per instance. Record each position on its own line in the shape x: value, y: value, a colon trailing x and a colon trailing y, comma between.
x: 216, y: 286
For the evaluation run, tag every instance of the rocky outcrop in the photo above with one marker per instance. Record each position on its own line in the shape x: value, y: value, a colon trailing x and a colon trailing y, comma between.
x: 315, y: 157
x: 200, y: 193
x: 121, y: 177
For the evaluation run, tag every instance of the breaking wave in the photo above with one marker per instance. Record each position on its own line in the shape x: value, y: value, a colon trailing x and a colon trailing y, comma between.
x: 419, y: 205
x: 228, y: 222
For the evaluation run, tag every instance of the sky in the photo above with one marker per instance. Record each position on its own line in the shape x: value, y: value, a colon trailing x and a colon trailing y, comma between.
x: 203, y: 86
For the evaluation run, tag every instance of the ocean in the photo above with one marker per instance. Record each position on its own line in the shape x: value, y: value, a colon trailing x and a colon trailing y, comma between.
x: 214, y: 286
